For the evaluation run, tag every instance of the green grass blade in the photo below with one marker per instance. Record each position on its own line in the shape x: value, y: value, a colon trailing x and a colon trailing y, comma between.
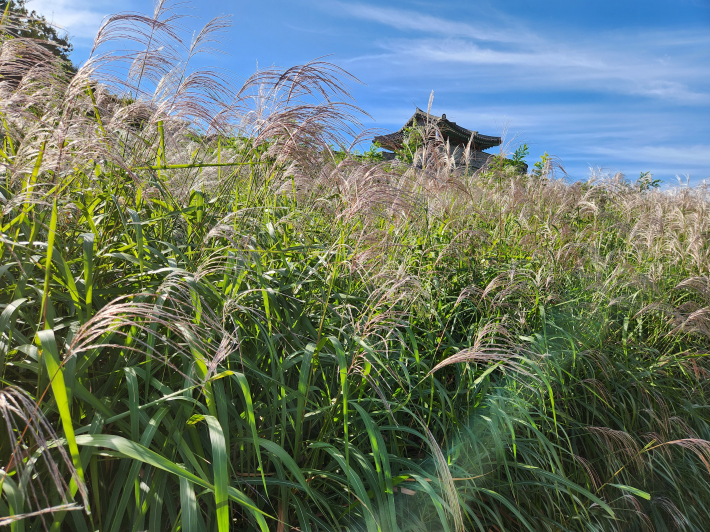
x: 15, y: 500
x: 88, y: 246
x: 220, y: 468
x: 132, y: 476
x: 56, y: 376
x: 6, y: 318
x: 189, y: 510
x: 135, y: 451
x: 251, y: 418
x: 48, y: 264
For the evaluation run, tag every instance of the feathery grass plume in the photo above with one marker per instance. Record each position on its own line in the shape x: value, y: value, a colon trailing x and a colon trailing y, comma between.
x: 692, y: 316
x: 34, y: 479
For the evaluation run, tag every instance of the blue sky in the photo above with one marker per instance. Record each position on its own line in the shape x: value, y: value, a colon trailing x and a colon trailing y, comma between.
x: 617, y: 85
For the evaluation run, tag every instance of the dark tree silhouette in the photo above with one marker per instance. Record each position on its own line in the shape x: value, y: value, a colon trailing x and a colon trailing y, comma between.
x: 18, y: 21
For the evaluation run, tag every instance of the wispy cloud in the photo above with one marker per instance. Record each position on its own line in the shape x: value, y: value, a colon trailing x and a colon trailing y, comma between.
x: 460, y: 51
x: 80, y: 18
x: 503, y: 52
x: 558, y: 68
x: 415, y: 21
x: 676, y: 156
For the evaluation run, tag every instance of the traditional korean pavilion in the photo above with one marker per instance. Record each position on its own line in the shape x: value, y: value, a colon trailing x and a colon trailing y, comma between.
x: 457, y: 136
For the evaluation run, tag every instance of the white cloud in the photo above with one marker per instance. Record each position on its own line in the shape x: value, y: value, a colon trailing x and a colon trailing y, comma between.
x: 501, y: 53
x: 697, y: 155
x: 459, y: 51
x: 80, y: 18
x: 413, y: 20
x: 564, y: 68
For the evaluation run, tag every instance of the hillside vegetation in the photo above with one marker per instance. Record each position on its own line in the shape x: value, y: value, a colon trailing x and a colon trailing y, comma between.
x: 210, y: 320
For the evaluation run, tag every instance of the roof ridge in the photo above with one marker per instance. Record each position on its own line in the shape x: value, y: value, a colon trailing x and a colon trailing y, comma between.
x: 426, y: 114
x: 447, y: 127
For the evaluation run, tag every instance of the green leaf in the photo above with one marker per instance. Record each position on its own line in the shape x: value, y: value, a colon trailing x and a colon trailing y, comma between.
x: 5, y: 319
x: 190, y: 512
x: 88, y: 246
x: 635, y: 491
x: 343, y: 371
x: 15, y: 500
x: 132, y: 475
x: 56, y: 377
x: 48, y: 264
x: 220, y: 468
x: 135, y: 451
x: 485, y: 374
x: 251, y: 418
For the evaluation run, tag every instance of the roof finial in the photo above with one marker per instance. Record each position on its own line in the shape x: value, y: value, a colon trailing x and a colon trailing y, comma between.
x: 443, y: 117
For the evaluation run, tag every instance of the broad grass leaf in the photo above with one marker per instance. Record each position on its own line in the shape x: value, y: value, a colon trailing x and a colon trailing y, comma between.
x: 135, y: 451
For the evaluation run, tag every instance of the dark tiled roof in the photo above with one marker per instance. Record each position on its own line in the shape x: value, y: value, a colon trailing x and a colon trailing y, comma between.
x: 451, y: 131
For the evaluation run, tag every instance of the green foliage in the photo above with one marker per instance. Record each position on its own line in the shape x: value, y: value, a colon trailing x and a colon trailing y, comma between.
x: 371, y: 155
x: 413, y: 141
x: 646, y: 182
x: 520, y: 153
x: 515, y: 164
x: 540, y: 168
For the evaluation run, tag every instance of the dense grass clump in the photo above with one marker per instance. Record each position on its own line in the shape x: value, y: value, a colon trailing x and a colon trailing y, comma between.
x: 211, y: 321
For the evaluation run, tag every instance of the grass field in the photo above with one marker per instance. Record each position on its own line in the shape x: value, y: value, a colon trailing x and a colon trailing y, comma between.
x: 210, y: 320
